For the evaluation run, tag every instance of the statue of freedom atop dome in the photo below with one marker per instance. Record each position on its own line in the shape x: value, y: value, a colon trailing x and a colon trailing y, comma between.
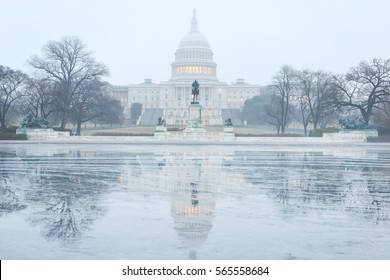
x: 195, y: 92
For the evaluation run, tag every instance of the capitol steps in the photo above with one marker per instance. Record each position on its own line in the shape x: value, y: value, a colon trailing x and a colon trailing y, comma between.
x: 150, y: 116
x: 233, y: 114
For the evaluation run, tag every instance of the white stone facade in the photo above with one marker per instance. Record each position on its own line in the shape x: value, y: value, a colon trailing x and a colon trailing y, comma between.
x: 193, y: 61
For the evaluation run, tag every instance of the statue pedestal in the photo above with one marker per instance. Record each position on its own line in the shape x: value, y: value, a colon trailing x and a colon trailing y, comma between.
x: 195, y: 112
x: 160, y: 132
x: 228, y: 133
x: 195, y: 132
x: 195, y: 127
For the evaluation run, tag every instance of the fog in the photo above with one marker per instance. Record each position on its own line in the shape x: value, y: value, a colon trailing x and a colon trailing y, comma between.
x: 250, y: 39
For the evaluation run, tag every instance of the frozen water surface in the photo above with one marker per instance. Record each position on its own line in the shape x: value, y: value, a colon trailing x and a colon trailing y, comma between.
x: 207, y: 202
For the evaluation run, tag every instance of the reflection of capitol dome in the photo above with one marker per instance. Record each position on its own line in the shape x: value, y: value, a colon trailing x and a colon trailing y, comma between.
x: 194, y: 57
x: 193, y: 217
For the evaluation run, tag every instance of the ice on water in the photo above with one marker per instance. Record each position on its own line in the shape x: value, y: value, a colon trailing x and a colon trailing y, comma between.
x: 206, y: 202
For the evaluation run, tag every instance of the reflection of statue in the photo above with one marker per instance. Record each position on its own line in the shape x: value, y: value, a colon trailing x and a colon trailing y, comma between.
x: 193, y: 204
x: 194, y: 199
x: 161, y: 121
x: 195, y: 91
x: 193, y: 212
x: 228, y: 122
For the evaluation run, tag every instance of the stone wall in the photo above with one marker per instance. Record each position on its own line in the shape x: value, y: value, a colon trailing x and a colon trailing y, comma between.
x: 42, y: 133
x: 161, y: 135
x: 358, y: 135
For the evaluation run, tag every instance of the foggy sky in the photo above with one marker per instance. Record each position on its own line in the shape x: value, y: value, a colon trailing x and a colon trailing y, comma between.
x: 250, y: 39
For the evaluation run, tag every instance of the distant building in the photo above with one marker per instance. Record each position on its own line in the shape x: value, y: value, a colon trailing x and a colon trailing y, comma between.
x: 193, y: 61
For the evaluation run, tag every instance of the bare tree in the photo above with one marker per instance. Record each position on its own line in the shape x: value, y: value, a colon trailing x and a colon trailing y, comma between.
x: 274, y: 114
x: 87, y: 102
x: 382, y: 117
x: 94, y: 104
x: 111, y: 111
x: 41, y: 100
x: 365, y: 87
x: 322, y: 103
x: 12, y: 90
x: 263, y: 109
x: 305, y: 84
x: 306, y: 113
x: 283, y: 83
x: 69, y: 65
x: 316, y: 97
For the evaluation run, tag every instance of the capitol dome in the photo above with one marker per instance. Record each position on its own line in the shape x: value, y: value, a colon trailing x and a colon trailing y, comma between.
x: 194, y: 39
x: 194, y: 57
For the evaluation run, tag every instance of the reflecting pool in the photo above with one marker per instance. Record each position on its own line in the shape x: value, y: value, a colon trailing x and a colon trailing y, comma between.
x: 100, y: 201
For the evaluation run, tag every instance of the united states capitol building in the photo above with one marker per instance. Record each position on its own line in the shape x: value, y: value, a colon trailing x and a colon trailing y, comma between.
x: 193, y: 61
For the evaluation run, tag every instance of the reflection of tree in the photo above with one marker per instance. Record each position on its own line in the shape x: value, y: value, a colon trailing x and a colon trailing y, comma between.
x: 269, y: 171
x: 64, y: 225
x: 368, y: 190
x: 10, y: 200
x: 64, y: 193
x: 313, y: 181
x: 11, y: 187
x: 283, y: 192
x: 319, y: 180
x: 68, y: 208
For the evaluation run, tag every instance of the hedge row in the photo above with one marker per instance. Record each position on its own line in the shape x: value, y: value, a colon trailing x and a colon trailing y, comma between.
x: 320, y: 131
x: 379, y: 139
x: 383, y: 131
x: 12, y: 136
